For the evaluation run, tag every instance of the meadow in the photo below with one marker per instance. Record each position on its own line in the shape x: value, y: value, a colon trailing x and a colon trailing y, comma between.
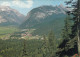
x: 8, y: 30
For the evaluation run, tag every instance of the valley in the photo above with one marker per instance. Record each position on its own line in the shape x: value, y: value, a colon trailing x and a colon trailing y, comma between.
x: 12, y: 32
x: 40, y: 21
x: 36, y: 34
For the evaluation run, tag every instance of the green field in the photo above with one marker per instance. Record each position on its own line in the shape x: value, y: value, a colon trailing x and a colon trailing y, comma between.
x: 8, y: 29
x: 5, y: 31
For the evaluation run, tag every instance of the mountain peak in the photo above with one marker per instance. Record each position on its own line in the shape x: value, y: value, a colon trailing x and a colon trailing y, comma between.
x: 5, y: 8
x: 61, y: 5
x: 44, y: 18
x: 46, y: 10
x: 10, y: 16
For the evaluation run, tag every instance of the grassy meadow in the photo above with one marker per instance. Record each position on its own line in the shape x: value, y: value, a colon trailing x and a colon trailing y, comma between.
x: 5, y: 31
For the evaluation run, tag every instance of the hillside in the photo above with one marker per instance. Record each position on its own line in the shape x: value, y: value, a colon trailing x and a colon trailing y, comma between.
x: 46, y: 18
x: 9, y: 16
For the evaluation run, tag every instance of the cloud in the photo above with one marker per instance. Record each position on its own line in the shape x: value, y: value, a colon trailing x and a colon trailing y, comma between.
x: 26, y: 4
x: 18, y: 3
x: 5, y: 4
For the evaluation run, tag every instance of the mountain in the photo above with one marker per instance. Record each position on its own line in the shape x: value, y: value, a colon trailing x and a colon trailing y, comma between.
x: 46, y: 18
x: 9, y: 16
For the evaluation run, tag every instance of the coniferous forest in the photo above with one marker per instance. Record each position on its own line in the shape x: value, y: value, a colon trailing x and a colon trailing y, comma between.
x: 46, y: 31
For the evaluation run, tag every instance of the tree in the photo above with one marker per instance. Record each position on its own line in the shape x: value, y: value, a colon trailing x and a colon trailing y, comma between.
x: 65, y: 46
x: 67, y: 28
x: 67, y: 31
x: 52, y: 44
x: 24, y: 49
x: 76, y: 18
x: 45, y: 47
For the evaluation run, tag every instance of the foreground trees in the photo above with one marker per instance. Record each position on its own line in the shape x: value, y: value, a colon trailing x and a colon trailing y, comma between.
x: 67, y: 28
x: 74, y: 43
x: 24, y: 54
x: 52, y: 42
x: 49, y: 45
x: 76, y: 18
x: 65, y: 46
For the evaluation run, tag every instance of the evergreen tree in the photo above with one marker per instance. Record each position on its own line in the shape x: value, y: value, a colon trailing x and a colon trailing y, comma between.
x: 76, y: 18
x: 66, y: 32
x: 45, y: 47
x: 24, y: 49
x: 52, y: 44
x: 65, y: 46
x: 67, y: 28
x: 75, y: 30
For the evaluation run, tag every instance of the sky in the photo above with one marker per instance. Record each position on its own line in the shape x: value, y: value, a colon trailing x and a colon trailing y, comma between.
x: 24, y: 6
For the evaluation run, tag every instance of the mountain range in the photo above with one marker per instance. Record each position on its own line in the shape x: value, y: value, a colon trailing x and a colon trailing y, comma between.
x: 46, y: 18
x: 43, y: 18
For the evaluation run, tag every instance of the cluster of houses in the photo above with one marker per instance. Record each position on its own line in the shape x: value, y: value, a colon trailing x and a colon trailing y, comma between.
x: 23, y: 34
x: 26, y: 34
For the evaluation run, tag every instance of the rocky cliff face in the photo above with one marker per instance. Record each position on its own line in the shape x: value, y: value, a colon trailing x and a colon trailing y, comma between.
x: 44, y: 13
x: 9, y: 16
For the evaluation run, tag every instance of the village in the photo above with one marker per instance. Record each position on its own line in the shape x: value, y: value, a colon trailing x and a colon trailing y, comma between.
x: 23, y: 34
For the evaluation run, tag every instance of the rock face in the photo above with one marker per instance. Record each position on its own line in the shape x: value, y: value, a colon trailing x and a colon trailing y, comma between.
x: 45, y: 18
x: 9, y: 16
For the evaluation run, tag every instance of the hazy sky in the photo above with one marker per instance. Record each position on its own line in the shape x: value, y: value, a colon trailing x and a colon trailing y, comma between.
x: 24, y: 6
